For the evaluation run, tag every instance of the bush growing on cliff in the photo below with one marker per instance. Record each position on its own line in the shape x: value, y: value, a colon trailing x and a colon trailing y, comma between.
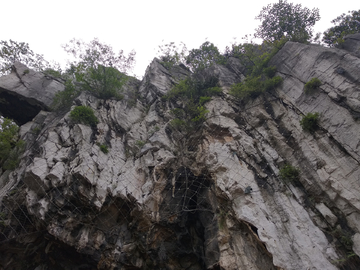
x: 312, y: 85
x: 98, y: 69
x: 10, y: 147
x: 289, y: 173
x: 310, y: 122
x: 65, y: 98
x: 103, y: 148
x: 196, y: 59
x: 253, y: 87
x: 344, y: 25
x: 170, y: 54
x: 84, y: 115
x: 204, y: 57
x: 193, y: 94
x: 260, y: 77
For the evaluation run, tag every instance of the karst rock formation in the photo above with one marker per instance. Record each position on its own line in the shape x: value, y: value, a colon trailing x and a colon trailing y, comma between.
x: 210, y: 198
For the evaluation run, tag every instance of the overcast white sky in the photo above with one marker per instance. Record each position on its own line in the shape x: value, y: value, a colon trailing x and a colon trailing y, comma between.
x: 141, y: 25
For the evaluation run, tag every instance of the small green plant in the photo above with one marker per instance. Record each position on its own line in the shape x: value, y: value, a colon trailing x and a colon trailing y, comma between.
x: 343, y: 237
x: 10, y: 147
x: 84, y: 115
x: 178, y: 124
x: 36, y: 130
x: 193, y: 94
x: 153, y: 130
x: 103, y: 148
x: 140, y: 143
x: 289, y: 173
x: 64, y: 99
x: 26, y: 71
x: 53, y: 72
x: 252, y: 87
x: 312, y: 85
x: 310, y: 122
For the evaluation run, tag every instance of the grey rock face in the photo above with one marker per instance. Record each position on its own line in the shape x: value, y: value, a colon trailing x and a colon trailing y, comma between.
x: 24, y: 92
x: 208, y: 198
x: 352, y: 44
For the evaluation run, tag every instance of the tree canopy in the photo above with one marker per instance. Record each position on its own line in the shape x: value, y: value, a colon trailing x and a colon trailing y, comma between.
x: 205, y: 56
x: 288, y: 20
x: 97, y: 69
x: 12, y: 51
x: 345, y: 24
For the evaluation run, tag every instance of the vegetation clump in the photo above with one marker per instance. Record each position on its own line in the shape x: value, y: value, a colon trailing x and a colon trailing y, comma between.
x: 12, y: 51
x: 344, y: 25
x: 312, y: 85
x: 193, y: 94
x: 283, y: 19
x: 103, y: 148
x: 84, y: 115
x: 310, y: 122
x: 289, y: 173
x: 97, y: 69
x: 10, y: 146
x: 140, y: 143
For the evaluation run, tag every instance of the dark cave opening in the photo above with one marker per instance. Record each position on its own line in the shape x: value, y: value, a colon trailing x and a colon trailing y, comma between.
x: 188, y: 208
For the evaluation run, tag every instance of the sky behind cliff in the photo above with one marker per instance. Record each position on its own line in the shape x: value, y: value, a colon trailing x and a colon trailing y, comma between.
x: 141, y: 25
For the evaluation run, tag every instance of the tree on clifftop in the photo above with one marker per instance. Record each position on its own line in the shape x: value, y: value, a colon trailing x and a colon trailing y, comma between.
x: 285, y: 19
x: 12, y: 51
x: 344, y: 25
x: 97, y: 68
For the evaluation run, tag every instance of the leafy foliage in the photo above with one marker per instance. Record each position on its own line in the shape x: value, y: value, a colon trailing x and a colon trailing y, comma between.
x: 207, y: 55
x: 253, y: 87
x: 193, y: 94
x: 312, y: 85
x: 195, y: 59
x: 285, y: 19
x: 170, y: 54
x: 98, y: 69
x: 260, y: 77
x: 140, y: 143
x: 10, y: 147
x: 310, y: 122
x: 12, y: 51
x: 289, y: 173
x: 344, y: 25
x: 103, y: 148
x: 84, y: 115
x: 64, y: 98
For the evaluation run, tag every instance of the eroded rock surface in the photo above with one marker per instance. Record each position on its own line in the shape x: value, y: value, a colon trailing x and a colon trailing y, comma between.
x: 209, y: 198
x: 24, y: 93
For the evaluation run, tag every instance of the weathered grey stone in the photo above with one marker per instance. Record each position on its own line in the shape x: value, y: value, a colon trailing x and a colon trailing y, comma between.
x: 352, y: 44
x: 210, y: 197
x: 24, y: 92
x: 327, y: 214
x: 35, y: 176
x: 158, y: 80
x: 356, y: 240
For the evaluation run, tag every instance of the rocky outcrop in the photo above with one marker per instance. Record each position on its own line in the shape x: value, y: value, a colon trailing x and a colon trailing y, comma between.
x: 206, y: 198
x: 352, y: 44
x: 24, y: 93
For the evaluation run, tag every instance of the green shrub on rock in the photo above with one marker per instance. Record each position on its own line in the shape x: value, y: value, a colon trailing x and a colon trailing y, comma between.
x: 289, y: 173
x: 10, y: 147
x: 312, y: 85
x: 310, y: 122
x: 84, y: 115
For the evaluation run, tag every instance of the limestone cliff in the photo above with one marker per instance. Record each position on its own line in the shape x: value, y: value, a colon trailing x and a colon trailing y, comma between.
x: 211, y: 198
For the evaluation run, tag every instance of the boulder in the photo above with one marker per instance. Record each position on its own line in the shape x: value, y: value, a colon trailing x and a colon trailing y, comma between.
x: 24, y: 92
x: 352, y: 44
